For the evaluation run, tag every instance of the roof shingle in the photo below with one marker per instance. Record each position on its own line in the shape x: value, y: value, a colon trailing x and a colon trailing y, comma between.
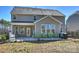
x: 35, y: 11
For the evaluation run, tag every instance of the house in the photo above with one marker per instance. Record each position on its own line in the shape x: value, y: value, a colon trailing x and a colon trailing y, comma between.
x: 73, y: 22
x: 26, y: 21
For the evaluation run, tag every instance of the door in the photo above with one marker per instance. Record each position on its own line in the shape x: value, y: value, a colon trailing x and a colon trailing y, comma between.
x: 28, y: 31
x: 21, y: 30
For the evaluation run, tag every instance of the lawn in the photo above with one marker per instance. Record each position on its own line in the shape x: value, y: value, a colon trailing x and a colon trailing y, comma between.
x: 41, y: 47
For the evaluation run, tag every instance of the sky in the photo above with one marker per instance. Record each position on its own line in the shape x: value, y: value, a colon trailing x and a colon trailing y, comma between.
x: 66, y: 10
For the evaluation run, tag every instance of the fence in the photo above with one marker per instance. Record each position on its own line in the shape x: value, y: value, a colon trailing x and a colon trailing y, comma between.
x: 73, y: 34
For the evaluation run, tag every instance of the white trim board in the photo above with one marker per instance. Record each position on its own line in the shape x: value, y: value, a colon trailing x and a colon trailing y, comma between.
x: 22, y: 23
x: 56, y: 19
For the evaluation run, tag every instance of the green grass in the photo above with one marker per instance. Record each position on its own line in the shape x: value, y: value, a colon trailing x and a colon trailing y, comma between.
x: 40, y: 47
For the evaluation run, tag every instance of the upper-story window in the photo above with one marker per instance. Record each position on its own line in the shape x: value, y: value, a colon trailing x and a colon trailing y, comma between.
x: 14, y: 17
x: 34, y: 17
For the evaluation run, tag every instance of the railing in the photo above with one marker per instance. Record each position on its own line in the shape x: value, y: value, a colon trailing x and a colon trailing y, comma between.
x: 73, y: 34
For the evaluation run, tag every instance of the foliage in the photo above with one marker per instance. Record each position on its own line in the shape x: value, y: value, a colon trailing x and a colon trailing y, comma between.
x: 49, y: 35
x: 5, y: 23
x: 36, y: 35
x: 4, y: 37
x: 44, y: 36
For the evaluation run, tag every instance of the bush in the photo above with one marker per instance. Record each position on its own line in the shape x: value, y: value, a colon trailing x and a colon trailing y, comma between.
x: 4, y: 38
x: 49, y: 35
x: 44, y: 36
x: 36, y: 36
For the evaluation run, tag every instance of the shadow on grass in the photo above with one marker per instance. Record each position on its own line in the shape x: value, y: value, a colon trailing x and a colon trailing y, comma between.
x: 38, y: 41
x: 43, y: 41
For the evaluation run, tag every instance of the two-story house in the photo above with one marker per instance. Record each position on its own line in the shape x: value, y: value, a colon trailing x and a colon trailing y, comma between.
x: 27, y: 21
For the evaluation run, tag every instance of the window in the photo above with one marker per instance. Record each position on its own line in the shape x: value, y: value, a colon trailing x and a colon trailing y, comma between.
x: 43, y: 28
x: 22, y: 30
x: 14, y: 17
x: 48, y: 28
x: 28, y: 31
x: 15, y: 30
x: 52, y: 28
x: 34, y: 17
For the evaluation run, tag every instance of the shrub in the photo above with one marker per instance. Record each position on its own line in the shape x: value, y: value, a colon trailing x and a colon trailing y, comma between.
x: 49, y: 35
x: 4, y: 38
x: 36, y: 36
x: 44, y: 36
x: 7, y: 36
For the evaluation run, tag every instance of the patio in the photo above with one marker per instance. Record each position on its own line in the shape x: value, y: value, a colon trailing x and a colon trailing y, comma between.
x: 35, y: 39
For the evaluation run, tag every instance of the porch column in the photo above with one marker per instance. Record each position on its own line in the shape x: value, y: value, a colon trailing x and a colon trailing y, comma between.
x: 11, y: 28
x: 35, y: 29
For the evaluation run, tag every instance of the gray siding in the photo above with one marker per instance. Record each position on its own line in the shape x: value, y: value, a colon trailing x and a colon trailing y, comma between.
x: 26, y: 18
x: 47, y: 21
x: 62, y: 19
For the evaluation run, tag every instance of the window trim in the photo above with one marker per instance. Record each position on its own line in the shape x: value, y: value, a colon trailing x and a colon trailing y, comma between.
x: 34, y: 18
x: 46, y: 28
x: 14, y: 17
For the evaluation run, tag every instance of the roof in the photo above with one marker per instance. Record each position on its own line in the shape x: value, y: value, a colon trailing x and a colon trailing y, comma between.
x: 35, y: 11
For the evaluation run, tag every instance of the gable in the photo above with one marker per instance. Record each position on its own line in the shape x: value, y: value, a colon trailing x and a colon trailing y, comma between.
x: 50, y: 19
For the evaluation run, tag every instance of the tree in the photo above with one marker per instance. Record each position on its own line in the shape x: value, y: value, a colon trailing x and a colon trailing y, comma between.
x: 5, y: 23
